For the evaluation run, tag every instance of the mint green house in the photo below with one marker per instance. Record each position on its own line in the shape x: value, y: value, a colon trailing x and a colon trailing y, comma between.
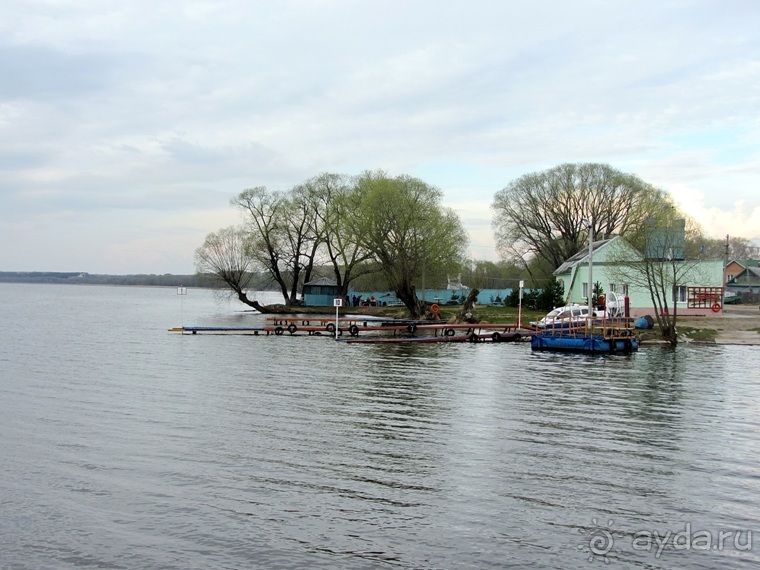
x: 698, y: 288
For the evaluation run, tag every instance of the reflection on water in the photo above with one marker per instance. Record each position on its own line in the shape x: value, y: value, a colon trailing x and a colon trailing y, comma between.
x: 126, y: 446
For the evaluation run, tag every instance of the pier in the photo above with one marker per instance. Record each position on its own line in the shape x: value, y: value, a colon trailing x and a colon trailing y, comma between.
x: 595, y: 336
x: 373, y: 330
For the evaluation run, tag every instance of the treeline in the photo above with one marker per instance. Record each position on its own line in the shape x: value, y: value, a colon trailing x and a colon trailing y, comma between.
x: 393, y: 227
x: 80, y: 278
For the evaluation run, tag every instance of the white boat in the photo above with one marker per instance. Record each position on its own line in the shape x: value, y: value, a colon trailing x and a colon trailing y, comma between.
x: 561, y: 317
x: 576, y: 314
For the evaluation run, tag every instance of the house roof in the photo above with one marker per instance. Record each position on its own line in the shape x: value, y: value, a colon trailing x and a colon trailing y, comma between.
x: 749, y: 271
x: 582, y: 256
x: 746, y: 262
x: 322, y: 282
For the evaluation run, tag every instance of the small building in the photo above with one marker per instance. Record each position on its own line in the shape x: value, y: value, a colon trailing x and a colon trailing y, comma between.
x: 748, y: 281
x: 737, y: 266
x: 700, y: 286
x: 320, y: 292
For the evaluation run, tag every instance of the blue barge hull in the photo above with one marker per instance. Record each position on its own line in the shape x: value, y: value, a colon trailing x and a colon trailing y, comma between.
x: 592, y: 344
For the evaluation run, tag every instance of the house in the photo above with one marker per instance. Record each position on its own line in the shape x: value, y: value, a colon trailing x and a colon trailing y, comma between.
x: 747, y: 281
x: 736, y: 266
x: 700, y: 286
x: 320, y: 292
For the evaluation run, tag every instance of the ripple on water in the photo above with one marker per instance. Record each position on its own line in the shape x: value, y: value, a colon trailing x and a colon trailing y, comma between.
x: 125, y: 446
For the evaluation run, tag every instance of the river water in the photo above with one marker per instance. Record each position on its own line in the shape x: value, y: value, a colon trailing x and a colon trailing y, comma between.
x: 127, y: 446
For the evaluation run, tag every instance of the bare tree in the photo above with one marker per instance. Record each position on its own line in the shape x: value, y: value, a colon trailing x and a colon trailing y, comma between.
x: 328, y: 195
x: 668, y: 261
x: 729, y: 248
x: 225, y: 257
x: 284, y: 238
x: 541, y: 215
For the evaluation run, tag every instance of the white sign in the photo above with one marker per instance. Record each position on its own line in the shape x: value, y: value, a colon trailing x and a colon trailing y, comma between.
x: 337, y: 302
x: 181, y: 290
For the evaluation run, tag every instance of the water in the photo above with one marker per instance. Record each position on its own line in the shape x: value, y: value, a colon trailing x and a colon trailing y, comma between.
x: 126, y: 446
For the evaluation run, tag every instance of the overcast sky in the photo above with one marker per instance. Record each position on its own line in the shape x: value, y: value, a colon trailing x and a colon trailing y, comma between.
x: 126, y: 127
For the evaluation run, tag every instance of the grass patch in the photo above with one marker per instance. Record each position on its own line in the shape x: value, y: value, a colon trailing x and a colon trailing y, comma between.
x: 698, y: 334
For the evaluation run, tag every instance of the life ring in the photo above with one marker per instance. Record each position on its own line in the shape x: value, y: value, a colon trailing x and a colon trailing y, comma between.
x: 278, y: 331
x: 354, y: 330
x: 716, y: 308
x: 435, y: 309
x: 292, y: 328
x: 330, y: 328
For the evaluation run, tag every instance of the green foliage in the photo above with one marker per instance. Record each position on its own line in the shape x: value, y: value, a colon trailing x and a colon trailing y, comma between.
x: 597, y: 293
x: 513, y: 298
x: 403, y: 227
x: 552, y: 295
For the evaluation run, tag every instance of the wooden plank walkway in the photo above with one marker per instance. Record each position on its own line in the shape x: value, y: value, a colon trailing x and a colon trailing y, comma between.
x: 379, y: 329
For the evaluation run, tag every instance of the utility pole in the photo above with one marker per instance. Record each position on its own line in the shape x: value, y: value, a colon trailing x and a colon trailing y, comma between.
x: 725, y: 261
x: 590, y: 273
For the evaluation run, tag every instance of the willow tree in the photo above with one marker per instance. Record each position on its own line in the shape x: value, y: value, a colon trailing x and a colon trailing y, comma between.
x: 327, y: 193
x: 401, y: 223
x: 225, y: 257
x: 544, y: 215
x: 283, y: 235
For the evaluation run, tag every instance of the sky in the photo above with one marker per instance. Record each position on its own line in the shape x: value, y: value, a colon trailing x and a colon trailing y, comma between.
x: 127, y: 127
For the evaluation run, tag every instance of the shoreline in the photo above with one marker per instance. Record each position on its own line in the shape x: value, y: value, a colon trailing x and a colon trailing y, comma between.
x: 738, y: 325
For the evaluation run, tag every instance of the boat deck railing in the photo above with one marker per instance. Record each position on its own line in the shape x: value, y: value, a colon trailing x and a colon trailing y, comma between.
x: 609, y: 328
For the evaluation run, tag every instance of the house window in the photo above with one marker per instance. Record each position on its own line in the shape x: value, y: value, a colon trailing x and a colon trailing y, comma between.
x: 612, y: 287
x: 679, y: 294
x: 584, y: 292
x: 624, y: 290
x: 729, y: 276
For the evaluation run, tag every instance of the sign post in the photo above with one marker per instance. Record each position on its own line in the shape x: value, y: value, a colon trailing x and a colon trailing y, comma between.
x: 337, y: 303
x: 181, y: 292
x: 519, y: 305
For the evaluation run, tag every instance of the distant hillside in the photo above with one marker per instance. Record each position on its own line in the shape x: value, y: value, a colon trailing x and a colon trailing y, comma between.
x: 80, y: 278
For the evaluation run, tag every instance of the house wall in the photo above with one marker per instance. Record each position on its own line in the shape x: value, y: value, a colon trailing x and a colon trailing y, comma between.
x: 706, y: 273
x: 440, y: 296
x: 746, y: 282
x: 311, y: 300
x: 320, y: 295
x: 732, y: 270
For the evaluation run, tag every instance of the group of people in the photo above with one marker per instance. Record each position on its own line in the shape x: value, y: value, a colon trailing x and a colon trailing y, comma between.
x: 356, y: 301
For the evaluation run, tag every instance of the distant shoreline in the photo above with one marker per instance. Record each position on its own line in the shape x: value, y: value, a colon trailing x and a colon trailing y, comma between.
x: 83, y: 278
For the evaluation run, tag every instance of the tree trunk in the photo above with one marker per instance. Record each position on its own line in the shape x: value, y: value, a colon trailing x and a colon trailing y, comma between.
x: 407, y: 294
x: 255, y: 304
x: 465, y: 315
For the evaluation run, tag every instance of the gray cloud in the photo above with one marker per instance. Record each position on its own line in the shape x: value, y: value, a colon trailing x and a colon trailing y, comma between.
x: 164, y: 111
